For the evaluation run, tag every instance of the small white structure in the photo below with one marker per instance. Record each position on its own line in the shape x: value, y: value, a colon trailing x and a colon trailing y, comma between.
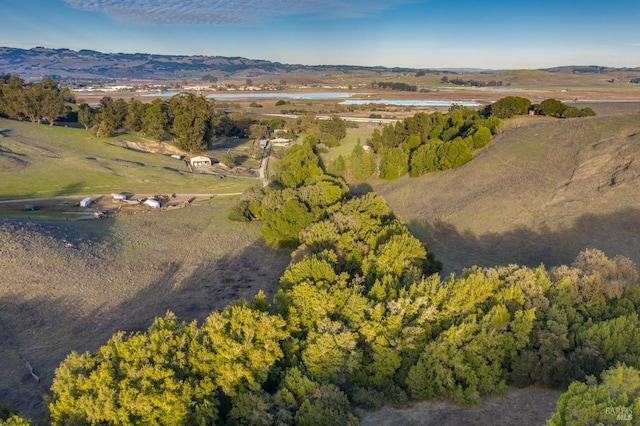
x: 85, y: 202
x: 153, y: 203
x: 200, y: 161
x: 120, y: 197
x: 263, y: 143
x: 176, y: 156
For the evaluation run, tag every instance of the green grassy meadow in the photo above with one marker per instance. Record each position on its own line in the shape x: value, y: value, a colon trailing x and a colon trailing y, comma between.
x: 354, y: 136
x: 44, y: 161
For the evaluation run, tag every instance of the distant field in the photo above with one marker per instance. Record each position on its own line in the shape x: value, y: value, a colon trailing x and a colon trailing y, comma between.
x: 41, y: 161
x: 354, y: 135
x: 539, y: 193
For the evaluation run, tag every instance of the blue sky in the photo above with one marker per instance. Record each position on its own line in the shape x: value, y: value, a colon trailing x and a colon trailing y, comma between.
x: 405, y: 33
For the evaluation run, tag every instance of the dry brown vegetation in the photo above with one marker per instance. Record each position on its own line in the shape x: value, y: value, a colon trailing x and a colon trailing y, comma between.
x: 71, y: 285
x: 528, y: 406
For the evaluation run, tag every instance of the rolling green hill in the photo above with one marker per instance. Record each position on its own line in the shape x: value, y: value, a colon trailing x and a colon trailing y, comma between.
x: 42, y: 161
x: 540, y: 192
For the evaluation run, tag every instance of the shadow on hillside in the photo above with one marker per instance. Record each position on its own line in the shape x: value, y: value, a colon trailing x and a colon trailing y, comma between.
x: 174, y: 170
x: 192, y: 293
x: 360, y: 189
x: 71, y: 189
x: 615, y: 234
x: 227, y: 143
x: 20, y: 318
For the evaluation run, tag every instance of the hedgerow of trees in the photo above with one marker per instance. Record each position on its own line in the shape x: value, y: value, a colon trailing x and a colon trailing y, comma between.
x: 516, y: 105
x: 190, y: 122
x: 472, y: 83
x: 361, y: 319
x: 36, y: 101
x: 431, y: 142
x: 402, y: 87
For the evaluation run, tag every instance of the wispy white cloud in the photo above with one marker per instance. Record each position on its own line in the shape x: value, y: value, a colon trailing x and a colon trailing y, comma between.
x: 227, y: 12
x: 20, y: 43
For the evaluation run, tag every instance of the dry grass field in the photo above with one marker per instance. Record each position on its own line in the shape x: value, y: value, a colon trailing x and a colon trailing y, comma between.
x: 528, y: 406
x: 70, y: 285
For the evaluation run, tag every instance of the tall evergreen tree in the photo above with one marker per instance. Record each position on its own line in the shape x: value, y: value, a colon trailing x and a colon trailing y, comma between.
x: 191, y: 121
x: 155, y: 123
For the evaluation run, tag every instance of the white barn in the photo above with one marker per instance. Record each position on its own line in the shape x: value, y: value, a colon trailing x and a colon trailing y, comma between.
x: 200, y: 161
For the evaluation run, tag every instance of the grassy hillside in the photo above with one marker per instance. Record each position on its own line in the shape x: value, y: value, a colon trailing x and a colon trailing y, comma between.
x: 73, y: 284
x: 540, y: 192
x: 40, y: 161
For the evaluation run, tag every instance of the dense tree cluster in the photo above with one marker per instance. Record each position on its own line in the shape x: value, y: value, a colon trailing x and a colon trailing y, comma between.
x: 430, y: 142
x: 516, y: 105
x: 471, y: 83
x: 39, y: 101
x: 439, y: 141
x: 398, y: 86
x: 508, y: 107
x: 555, y: 108
x: 174, y: 373
x: 613, y: 399
x: 191, y: 121
x: 305, y: 195
x: 332, y: 131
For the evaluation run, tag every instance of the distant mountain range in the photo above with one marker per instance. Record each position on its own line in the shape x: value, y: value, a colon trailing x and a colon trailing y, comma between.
x: 65, y: 64
x: 588, y: 69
